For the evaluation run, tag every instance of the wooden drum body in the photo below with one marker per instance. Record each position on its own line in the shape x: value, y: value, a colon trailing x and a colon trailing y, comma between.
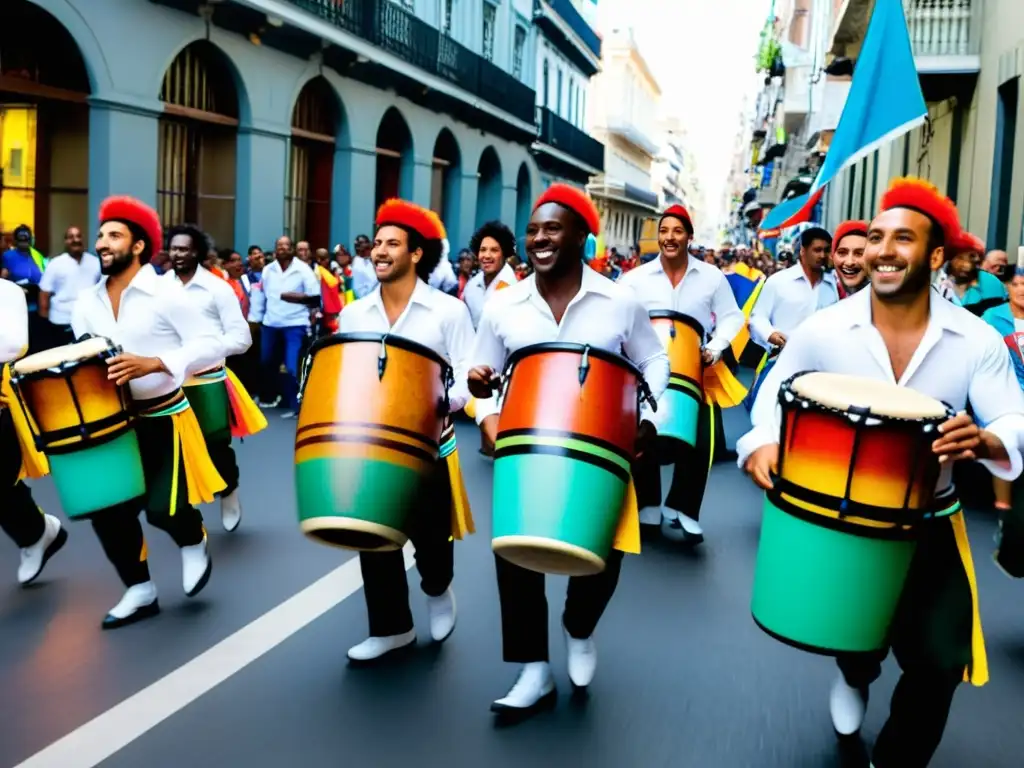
x: 683, y: 338
x: 562, y: 458
x: 368, y: 433
x: 856, y: 483
x: 83, y: 423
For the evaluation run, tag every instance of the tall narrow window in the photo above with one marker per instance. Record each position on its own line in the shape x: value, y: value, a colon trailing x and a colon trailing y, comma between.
x: 518, y: 46
x: 558, y: 94
x: 490, y: 12
x: 446, y: 17
x: 546, y: 85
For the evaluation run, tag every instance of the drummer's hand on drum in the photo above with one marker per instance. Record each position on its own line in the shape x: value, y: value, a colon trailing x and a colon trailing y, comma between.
x: 489, y: 426
x: 777, y: 339
x: 762, y: 464
x: 482, y: 381
x: 963, y: 440
x: 125, y: 367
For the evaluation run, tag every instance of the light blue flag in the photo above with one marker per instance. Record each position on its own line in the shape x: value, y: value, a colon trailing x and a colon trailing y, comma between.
x: 885, y: 101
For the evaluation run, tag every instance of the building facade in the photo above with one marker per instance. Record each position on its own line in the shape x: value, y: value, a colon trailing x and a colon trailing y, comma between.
x: 254, y: 118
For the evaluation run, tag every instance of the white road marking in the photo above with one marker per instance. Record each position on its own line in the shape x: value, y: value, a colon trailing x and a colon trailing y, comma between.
x: 119, y: 726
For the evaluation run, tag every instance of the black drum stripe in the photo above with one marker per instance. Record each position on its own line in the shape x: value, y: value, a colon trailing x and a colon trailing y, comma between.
x: 394, y: 445
x: 686, y: 390
x: 557, y: 450
x: 843, y: 526
x: 564, y: 435
x: 850, y: 508
x: 798, y: 645
x: 370, y: 425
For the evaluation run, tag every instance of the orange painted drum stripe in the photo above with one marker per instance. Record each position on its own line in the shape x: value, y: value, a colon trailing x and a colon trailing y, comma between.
x: 359, y: 451
x: 544, y: 393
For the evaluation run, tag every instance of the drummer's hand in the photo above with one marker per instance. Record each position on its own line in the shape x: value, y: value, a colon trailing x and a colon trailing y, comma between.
x: 963, y: 440
x: 489, y: 426
x: 125, y: 367
x: 482, y: 381
x: 707, y: 357
x: 777, y: 339
x: 762, y: 464
x: 645, y: 434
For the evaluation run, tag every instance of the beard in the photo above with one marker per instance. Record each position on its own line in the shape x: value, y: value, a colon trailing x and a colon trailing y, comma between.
x: 917, y: 280
x: 119, y: 264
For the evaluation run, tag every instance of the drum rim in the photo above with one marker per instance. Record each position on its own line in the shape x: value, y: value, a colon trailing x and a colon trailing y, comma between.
x: 111, y: 350
x: 786, y: 392
x: 567, y: 346
x: 373, y: 337
x: 671, y: 314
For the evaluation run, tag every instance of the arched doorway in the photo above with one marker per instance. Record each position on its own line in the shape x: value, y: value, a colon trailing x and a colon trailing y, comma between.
x: 488, y: 196
x: 44, y: 127
x: 394, y: 157
x: 523, y: 200
x: 316, y: 122
x: 446, y: 181
x: 198, y: 143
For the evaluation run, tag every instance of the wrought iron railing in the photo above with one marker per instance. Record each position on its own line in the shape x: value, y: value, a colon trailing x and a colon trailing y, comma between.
x: 577, y: 24
x: 561, y: 134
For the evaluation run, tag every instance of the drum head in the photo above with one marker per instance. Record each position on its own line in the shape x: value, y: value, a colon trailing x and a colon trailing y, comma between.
x: 841, y: 392
x: 576, y: 349
x: 70, y: 353
x: 390, y: 340
x: 679, y: 317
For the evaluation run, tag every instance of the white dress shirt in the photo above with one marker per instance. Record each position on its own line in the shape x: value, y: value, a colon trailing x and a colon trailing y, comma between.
x: 64, y: 278
x: 13, y: 322
x: 603, y: 314
x: 436, y: 320
x: 476, y: 294
x: 960, y: 359
x: 364, y: 277
x: 787, y: 299
x: 443, y: 277
x: 155, y: 319
x: 218, y: 308
x: 298, y: 278
x: 703, y: 294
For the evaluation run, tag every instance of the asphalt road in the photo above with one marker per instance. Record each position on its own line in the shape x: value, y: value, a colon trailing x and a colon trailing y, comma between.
x: 685, y: 677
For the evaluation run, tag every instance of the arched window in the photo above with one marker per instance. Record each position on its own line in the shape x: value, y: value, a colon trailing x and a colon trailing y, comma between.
x: 316, y: 120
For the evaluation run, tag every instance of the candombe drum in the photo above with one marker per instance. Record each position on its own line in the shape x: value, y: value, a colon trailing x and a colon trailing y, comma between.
x: 840, y: 528
x: 207, y: 393
x: 562, y: 457
x: 83, y: 422
x: 683, y: 338
x: 367, y: 437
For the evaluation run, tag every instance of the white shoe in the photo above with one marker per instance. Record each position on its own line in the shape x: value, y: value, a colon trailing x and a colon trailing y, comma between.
x: 650, y: 516
x: 287, y: 415
x: 34, y: 558
x: 272, y: 404
x: 195, y: 567
x: 373, y: 648
x: 675, y: 525
x: 442, y: 615
x: 582, y: 658
x: 139, y: 602
x: 534, y: 689
x: 230, y: 511
x: 847, y: 706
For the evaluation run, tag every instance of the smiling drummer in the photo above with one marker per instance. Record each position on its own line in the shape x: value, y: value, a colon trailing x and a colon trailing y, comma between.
x: 406, y: 250
x: 902, y: 332
x: 848, y: 257
x: 561, y: 301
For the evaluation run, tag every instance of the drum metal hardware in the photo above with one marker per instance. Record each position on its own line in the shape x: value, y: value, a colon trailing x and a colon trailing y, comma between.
x: 584, y: 366
x: 382, y: 358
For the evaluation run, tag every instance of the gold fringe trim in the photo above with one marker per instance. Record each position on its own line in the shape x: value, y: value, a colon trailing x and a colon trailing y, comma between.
x: 246, y: 417
x: 462, y: 515
x: 977, y: 672
x: 204, y: 482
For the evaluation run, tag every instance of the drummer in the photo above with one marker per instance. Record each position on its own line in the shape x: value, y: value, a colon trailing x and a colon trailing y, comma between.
x: 848, y: 257
x: 39, y: 536
x: 163, y: 342
x: 217, y: 308
x: 678, y: 283
x: 406, y: 250
x: 900, y: 331
x: 562, y: 301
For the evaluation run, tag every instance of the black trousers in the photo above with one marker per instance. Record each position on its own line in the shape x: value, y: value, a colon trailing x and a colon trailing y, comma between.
x: 385, y: 585
x: 223, y: 457
x: 20, y: 518
x: 931, y: 640
x: 119, y: 529
x: 691, y: 466
x: 524, y: 607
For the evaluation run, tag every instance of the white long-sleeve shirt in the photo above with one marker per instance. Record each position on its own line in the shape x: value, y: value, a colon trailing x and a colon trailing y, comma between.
x: 155, y: 319
x: 703, y: 294
x: 218, y: 309
x: 13, y: 322
x: 476, y: 293
x: 786, y: 300
x: 960, y: 359
x: 434, y: 319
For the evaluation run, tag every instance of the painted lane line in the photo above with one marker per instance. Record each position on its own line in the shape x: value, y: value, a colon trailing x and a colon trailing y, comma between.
x: 103, y: 736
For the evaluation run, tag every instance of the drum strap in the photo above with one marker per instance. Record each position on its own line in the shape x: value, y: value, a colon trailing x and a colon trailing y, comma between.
x: 976, y: 672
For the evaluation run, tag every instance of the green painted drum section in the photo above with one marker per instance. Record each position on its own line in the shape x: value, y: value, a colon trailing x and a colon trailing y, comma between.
x: 825, y: 590
x: 375, y: 491
x: 559, y: 498
x: 99, y: 476
x: 212, y: 408
x: 680, y: 419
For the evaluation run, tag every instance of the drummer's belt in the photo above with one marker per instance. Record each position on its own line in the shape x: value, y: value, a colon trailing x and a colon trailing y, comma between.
x: 211, y: 376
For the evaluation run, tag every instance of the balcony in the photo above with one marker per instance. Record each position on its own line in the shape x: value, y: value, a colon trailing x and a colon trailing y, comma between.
x: 623, y: 126
x: 563, y: 141
x: 568, y: 31
x: 623, y: 192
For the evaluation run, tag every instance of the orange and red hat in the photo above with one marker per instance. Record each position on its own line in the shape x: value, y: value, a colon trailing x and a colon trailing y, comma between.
x: 678, y: 212
x: 847, y: 228
x: 925, y: 198
x: 135, y: 213
x: 575, y: 200
x: 402, y: 213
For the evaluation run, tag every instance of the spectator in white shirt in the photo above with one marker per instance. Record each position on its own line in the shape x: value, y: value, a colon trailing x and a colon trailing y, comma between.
x: 492, y: 245
x: 64, y: 278
x: 364, y: 277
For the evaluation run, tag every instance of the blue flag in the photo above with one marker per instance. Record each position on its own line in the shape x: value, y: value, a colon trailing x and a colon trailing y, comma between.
x: 885, y: 101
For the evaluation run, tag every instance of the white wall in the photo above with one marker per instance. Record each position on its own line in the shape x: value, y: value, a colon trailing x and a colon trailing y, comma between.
x: 573, y: 82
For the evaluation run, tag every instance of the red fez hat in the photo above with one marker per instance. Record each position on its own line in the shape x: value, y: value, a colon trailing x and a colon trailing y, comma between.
x: 924, y: 197
x: 410, y: 216
x: 132, y: 211
x: 849, y: 228
x: 968, y: 243
x: 679, y: 212
x: 575, y: 200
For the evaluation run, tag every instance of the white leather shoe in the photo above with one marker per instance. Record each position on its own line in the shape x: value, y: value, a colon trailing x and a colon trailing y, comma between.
x: 441, y: 610
x: 650, y: 516
x: 847, y: 706
x: 373, y: 648
x: 582, y: 658
x: 139, y: 602
x: 196, y: 566
x: 34, y: 558
x: 230, y: 511
x: 678, y: 526
x: 533, y: 690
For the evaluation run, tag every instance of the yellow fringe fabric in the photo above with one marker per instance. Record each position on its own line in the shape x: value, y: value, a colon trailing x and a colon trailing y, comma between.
x: 462, y: 515
x: 470, y: 408
x: 627, y: 535
x: 742, y: 339
x: 247, y: 418
x: 33, y: 463
x: 977, y: 672
x: 721, y: 388
x: 204, y: 482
